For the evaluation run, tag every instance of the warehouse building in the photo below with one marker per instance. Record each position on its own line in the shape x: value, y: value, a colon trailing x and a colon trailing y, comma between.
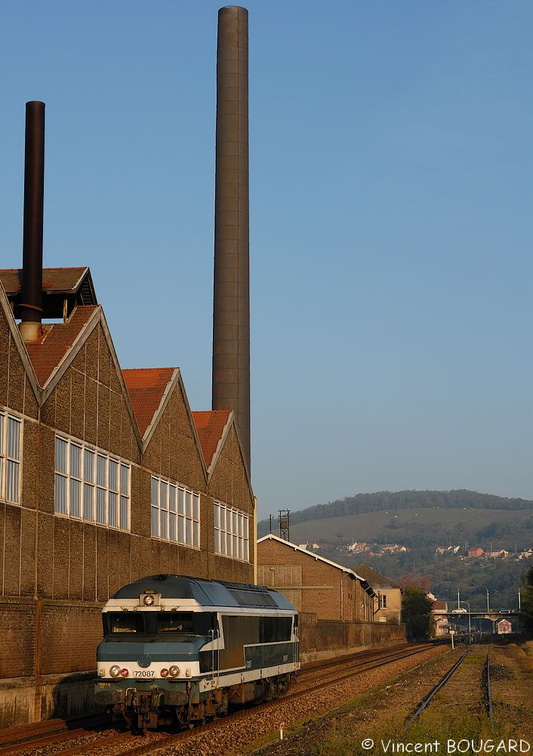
x: 337, y: 606
x: 106, y: 475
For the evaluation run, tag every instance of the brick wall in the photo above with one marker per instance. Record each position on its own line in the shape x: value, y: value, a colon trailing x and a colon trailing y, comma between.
x: 325, y: 589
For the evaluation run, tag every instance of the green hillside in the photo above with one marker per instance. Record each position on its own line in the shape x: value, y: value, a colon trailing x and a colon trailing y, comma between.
x: 422, y: 521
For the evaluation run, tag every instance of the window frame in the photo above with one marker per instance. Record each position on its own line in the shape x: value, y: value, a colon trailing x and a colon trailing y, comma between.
x: 175, y: 512
x: 11, y: 447
x: 231, y: 532
x: 85, y: 486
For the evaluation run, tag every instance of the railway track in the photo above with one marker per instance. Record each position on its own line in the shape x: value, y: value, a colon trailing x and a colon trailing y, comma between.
x: 313, y: 678
x: 465, y: 688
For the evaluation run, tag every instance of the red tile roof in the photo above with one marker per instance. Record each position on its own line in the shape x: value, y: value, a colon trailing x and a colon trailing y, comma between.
x: 210, y: 427
x: 51, y: 350
x: 54, y: 279
x: 146, y: 387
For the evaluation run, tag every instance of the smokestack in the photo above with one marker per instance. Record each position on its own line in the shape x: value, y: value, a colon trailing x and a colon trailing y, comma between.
x: 32, y: 245
x: 231, y: 311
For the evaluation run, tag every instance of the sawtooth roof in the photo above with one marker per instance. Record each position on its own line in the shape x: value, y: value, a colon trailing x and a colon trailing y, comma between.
x: 52, y: 348
x: 210, y: 426
x: 146, y: 387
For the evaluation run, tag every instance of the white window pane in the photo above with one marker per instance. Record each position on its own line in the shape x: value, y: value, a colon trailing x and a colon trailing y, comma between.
x: 181, y: 529
x: 124, y: 513
x: 173, y: 526
x: 75, y: 498
x: 181, y: 500
x: 196, y: 535
x: 88, y: 465
x: 155, y: 521
x: 112, y: 504
x: 172, y: 498
x: 163, y: 495
x: 196, y: 507
x: 12, y: 487
x: 124, y: 479
x: 75, y: 460
x: 101, y: 469
x: 88, y: 502
x: 113, y: 475
x: 101, y: 514
x: 13, y: 438
x: 217, y: 516
x: 61, y: 455
x: 60, y: 494
x: 163, y: 523
x: 155, y: 491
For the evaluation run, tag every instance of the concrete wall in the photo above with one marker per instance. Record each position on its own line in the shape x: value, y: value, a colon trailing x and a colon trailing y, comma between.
x: 320, y: 639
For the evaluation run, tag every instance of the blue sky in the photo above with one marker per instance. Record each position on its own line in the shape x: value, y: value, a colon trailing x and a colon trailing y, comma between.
x: 391, y: 221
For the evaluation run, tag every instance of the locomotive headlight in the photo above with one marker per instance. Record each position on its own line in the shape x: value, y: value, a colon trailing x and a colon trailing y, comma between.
x: 115, y: 671
x: 174, y: 671
x: 148, y: 600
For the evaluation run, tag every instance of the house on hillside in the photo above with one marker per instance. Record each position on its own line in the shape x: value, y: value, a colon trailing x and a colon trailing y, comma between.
x: 496, y: 554
x: 476, y: 552
x: 359, y: 547
x: 388, y: 595
x: 447, y: 550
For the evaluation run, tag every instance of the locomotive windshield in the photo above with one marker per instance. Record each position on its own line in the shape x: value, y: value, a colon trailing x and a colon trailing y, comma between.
x: 125, y: 622
x: 155, y: 623
x: 175, y: 622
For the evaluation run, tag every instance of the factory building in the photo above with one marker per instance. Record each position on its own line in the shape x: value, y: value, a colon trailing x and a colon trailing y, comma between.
x: 105, y: 476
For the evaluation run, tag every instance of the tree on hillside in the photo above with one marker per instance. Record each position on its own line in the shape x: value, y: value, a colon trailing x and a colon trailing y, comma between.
x: 526, y: 602
x: 416, y: 613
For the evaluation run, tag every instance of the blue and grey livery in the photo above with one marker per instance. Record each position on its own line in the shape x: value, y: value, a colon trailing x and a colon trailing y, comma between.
x: 180, y: 650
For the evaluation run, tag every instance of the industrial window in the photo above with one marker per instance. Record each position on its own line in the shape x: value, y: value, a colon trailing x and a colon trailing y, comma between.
x: 10, y: 457
x: 231, y: 532
x: 175, y: 513
x: 91, y: 485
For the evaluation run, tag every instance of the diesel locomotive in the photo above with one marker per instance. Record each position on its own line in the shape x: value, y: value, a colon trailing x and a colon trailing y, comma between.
x: 180, y: 650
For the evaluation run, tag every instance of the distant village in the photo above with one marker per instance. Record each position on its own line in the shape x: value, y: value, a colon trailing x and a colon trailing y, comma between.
x: 373, y: 549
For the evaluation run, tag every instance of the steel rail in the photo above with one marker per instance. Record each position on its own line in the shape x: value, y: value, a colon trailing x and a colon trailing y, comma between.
x: 427, y: 699
x: 487, y: 688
